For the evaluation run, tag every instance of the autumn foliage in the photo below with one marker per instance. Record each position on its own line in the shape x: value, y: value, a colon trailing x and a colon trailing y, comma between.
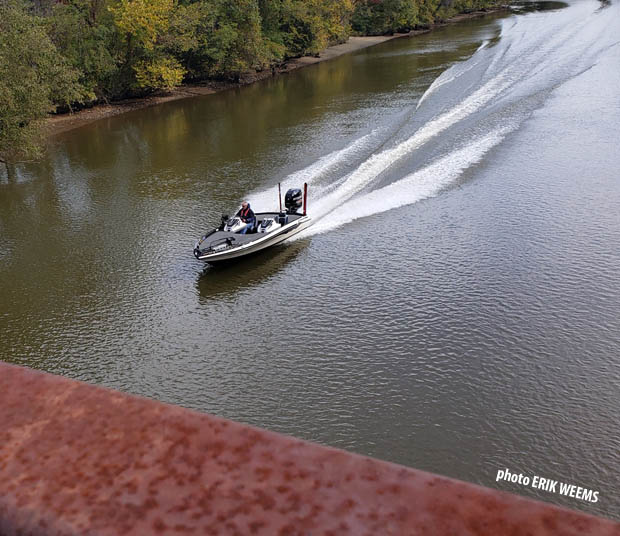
x: 66, y: 52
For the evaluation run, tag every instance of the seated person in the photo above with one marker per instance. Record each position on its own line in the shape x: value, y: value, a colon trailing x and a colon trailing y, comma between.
x: 247, y: 216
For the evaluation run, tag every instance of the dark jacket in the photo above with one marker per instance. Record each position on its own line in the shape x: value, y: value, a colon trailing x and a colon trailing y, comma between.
x: 247, y: 215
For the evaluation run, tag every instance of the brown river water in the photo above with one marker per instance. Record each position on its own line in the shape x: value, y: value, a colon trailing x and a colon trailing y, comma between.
x: 456, y: 305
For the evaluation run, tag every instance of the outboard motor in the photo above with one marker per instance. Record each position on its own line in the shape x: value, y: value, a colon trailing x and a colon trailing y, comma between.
x: 293, y: 200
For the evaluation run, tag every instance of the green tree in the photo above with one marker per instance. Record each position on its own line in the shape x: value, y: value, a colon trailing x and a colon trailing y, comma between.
x: 145, y: 24
x: 300, y: 27
x: 84, y: 32
x: 377, y: 17
x: 34, y: 78
x: 218, y: 38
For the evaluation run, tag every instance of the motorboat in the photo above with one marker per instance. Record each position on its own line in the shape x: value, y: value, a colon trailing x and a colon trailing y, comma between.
x: 226, y: 242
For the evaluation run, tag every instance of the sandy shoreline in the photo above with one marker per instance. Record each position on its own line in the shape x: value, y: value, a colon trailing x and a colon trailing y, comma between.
x: 57, y: 124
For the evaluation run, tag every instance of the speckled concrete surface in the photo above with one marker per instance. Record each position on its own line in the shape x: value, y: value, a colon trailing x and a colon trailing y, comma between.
x: 77, y: 459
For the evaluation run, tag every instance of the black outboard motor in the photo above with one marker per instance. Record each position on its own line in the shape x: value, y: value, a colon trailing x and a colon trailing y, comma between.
x: 293, y: 200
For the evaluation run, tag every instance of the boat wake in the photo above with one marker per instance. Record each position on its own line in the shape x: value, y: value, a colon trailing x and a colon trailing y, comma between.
x: 421, y: 184
x: 466, y: 112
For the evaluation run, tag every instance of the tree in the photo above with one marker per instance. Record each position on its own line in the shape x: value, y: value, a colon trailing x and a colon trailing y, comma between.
x: 305, y: 26
x: 34, y: 77
x: 144, y: 23
x: 218, y: 38
x: 84, y: 32
x: 376, y: 17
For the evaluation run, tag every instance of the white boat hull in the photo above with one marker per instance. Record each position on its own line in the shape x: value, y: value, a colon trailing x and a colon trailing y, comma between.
x: 262, y: 241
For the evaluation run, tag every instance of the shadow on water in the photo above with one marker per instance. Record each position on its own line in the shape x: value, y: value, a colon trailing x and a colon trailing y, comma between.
x: 230, y: 278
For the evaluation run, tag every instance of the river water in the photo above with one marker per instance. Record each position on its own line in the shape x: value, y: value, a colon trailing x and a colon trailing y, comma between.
x: 456, y: 305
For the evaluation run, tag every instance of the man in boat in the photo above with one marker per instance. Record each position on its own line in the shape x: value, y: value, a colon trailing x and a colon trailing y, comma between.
x: 247, y: 216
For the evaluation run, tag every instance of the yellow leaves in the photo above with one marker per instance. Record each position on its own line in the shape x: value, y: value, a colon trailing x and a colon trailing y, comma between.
x: 146, y: 23
x: 145, y: 20
x: 161, y: 73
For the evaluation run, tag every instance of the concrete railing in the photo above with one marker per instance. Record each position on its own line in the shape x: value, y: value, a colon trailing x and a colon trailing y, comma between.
x: 80, y: 460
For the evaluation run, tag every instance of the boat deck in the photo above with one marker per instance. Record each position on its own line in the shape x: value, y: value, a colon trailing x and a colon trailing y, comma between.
x: 241, y: 239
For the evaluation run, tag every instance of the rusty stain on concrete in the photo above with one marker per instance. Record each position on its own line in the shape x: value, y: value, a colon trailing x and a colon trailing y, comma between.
x: 77, y: 459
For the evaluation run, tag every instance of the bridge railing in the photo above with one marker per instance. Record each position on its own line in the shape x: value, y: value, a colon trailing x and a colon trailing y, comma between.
x: 82, y: 460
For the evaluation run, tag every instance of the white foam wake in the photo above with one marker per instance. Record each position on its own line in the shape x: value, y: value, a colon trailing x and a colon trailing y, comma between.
x: 450, y: 75
x: 523, y: 64
x: 264, y: 199
x: 370, y: 170
x: 515, y: 76
x: 424, y: 183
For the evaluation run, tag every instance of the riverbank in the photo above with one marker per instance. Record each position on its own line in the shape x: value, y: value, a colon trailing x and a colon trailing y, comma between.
x: 57, y: 124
